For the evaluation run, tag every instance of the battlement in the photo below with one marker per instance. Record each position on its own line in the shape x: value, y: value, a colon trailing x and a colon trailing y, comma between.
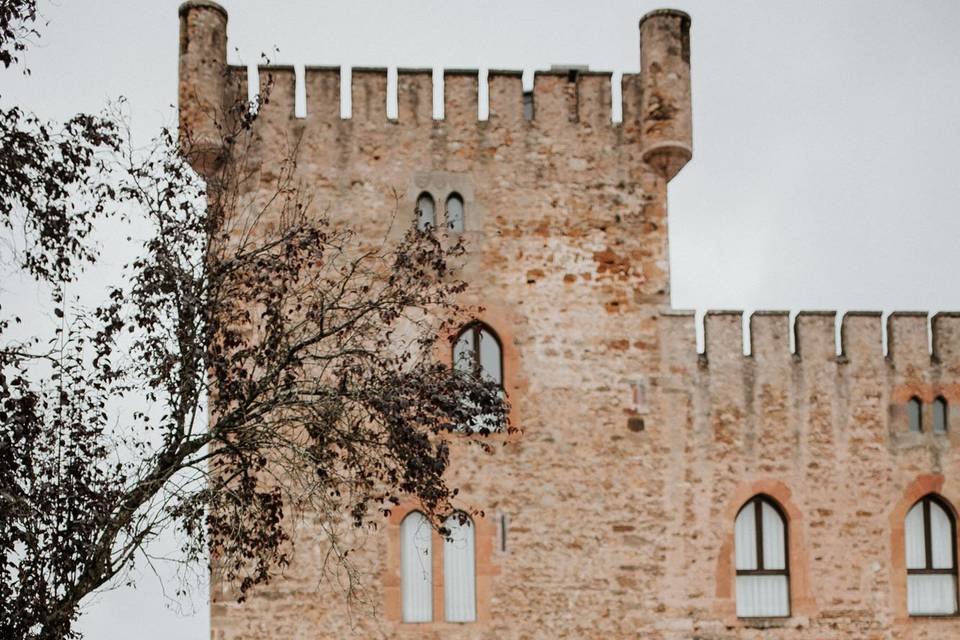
x: 631, y: 441
x: 908, y: 336
x: 655, y: 103
x: 582, y: 97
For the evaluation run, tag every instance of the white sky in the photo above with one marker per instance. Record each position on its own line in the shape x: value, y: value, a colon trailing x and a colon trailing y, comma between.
x: 825, y: 171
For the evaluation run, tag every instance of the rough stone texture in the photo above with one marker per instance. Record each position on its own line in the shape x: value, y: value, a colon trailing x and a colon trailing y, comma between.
x: 614, y: 530
x: 665, y: 110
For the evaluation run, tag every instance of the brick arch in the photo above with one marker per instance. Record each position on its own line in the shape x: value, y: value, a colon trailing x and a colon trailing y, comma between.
x: 926, y: 392
x: 502, y: 322
x: 921, y: 486
x: 802, y: 602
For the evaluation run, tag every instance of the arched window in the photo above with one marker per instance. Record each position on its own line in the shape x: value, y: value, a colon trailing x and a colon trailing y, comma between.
x: 426, y: 212
x: 477, y: 351
x: 915, y: 414
x: 763, y: 589
x: 929, y: 535
x: 416, y: 568
x: 455, y: 213
x: 940, y: 415
x: 459, y: 570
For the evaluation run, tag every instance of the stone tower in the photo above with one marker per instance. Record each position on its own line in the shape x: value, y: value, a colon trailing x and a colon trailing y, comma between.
x: 612, y: 514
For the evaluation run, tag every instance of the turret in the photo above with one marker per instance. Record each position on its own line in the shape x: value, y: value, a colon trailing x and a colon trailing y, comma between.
x: 665, y: 111
x: 203, y: 78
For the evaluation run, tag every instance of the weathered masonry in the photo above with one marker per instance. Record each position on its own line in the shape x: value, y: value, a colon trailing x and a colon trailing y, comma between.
x: 655, y: 492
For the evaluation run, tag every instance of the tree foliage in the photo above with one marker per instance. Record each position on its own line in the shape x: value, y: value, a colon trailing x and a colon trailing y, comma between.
x: 17, y: 18
x: 255, y: 362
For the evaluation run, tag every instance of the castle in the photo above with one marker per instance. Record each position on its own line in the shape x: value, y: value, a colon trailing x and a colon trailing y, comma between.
x: 653, y: 491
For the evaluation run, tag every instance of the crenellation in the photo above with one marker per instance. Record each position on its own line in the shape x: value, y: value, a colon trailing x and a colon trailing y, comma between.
x: 323, y: 93
x: 631, y: 91
x: 861, y: 339
x: 415, y: 96
x: 368, y: 91
x: 723, y: 337
x: 276, y: 101
x: 552, y: 104
x: 816, y: 336
x: 559, y: 97
x: 568, y: 96
x: 279, y: 82
x: 461, y: 96
x: 946, y: 341
x: 237, y: 83
x: 678, y: 340
x: 595, y: 101
x: 770, y: 337
x: 907, y: 344
x: 505, y: 91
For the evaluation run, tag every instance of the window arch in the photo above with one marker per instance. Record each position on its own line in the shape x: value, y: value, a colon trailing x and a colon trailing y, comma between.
x: 929, y: 540
x: 426, y: 212
x: 915, y: 414
x: 940, y: 415
x: 477, y: 351
x: 760, y: 540
x: 455, y: 216
x: 416, y: 568
x: 459, y: 570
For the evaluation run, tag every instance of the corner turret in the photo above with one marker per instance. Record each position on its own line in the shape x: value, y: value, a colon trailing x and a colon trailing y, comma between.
x: 665, y: 110
x: 203, y: 77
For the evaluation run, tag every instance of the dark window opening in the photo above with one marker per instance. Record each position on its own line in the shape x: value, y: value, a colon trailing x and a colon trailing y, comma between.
x: 915, y: 414
x: 940, y: 411
x: 426, y: 212
x: 455, y: 216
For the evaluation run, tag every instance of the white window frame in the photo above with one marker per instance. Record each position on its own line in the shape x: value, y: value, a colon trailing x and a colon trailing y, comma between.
x: 460, y: 569
x: 416, y: 568
x: 762, y: 570
x: 931, y: 558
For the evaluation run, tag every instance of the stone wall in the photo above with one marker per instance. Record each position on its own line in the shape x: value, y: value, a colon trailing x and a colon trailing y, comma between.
x: 636, y: 452
x: 826, y: 435
x: 566, y: 229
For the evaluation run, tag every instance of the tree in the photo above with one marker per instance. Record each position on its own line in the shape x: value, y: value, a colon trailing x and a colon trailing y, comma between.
x: 48, y: 187
x: 274, y: 363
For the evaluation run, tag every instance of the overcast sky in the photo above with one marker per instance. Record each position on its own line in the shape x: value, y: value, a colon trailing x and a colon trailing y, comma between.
x: 825, y: 172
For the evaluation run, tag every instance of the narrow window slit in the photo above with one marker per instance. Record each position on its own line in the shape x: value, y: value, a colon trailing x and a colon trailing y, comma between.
x: 455, y: 221
x: 915, y: 414
x: 940, y: 411
x: 503, y: 533
x: 426, y: 212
